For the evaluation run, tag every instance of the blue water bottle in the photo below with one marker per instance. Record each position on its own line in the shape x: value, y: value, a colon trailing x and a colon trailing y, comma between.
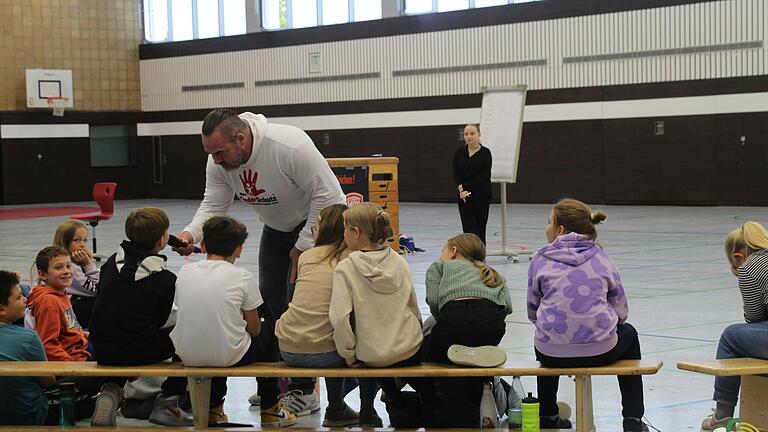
x: 67, y: 404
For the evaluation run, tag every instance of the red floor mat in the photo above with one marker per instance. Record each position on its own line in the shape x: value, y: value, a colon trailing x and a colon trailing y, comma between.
x: 39, y: 212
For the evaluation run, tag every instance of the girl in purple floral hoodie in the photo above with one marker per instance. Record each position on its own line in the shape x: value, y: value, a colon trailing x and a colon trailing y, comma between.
x: 577, y: 303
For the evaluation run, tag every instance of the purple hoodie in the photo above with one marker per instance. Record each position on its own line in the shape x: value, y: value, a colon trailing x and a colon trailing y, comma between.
x: 575, y: 298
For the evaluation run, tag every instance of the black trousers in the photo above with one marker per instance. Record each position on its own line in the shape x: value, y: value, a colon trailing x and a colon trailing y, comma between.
x: 263, y: 349
x: 155, y: 349
x: 631, y: 386
x: 82, y: 307
x: 275, y: 270
x: 274, y: 282
x: 403, y: 410
x: 474, y: 215
x: 471, y: 323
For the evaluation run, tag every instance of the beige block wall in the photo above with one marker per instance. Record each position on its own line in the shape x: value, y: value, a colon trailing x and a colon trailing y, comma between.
x: 97, y: 39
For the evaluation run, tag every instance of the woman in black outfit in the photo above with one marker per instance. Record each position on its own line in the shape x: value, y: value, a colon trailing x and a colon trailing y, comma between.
x: 472, y: 174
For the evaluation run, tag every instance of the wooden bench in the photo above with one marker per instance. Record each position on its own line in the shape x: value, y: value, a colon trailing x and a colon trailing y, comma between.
x: 753, y: 408
x: 200, y: 383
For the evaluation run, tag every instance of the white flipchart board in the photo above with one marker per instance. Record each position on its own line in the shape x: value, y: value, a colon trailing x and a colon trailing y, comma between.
x: 501, y: 126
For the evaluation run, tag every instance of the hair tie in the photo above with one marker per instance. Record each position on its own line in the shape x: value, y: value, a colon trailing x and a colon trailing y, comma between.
x: 380, y: 212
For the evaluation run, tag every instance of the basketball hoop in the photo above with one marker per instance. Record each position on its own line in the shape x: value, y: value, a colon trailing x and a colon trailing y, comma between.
x: 57, y: 104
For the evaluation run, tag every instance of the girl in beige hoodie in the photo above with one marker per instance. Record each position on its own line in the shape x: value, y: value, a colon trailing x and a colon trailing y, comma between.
x: 373, y: 310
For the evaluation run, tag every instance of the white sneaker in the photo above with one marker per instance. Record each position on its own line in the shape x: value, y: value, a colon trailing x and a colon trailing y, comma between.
x: 255, y: 399
x: 107, y: 403
x: 482, y: 356
x: 500, y: 396
x: 167, y: 412
x: 300, y: 404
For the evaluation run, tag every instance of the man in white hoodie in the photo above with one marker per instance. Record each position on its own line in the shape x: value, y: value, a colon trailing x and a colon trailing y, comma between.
x: 276, y: 170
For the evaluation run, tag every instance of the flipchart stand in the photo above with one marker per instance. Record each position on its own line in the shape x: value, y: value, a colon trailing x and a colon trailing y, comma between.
x: 501, y: 124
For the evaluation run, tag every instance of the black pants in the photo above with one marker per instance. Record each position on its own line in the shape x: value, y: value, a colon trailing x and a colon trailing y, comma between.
x: 263, y: 349
x: 474, y: 215
x: 275, y: 270
x: 471, y: 323
x: 82, y: 307
x: 405, y: 411
x: 631, y: 386
x: 154, y: 349
x: 274, y: 282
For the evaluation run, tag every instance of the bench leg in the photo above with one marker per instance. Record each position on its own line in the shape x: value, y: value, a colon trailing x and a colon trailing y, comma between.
x: 200, y: 392
x: 585, y: 420
x: 754, y: 400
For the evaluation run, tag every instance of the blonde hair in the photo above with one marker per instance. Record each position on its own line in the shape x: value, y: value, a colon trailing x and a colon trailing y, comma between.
x: 65, y: 232
x: 475, y: 125
x: 577, y: 217
x: 330, y: 231
x: 751, y: 237
x: 471, y: 247
x: 371, y: 220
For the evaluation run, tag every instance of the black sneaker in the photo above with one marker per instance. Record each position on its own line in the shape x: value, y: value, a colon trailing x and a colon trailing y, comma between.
x: 554, y: 423
x: 344, y: 416
x: 634, y: 425
x: 138, y: 409
x: 369, y: 419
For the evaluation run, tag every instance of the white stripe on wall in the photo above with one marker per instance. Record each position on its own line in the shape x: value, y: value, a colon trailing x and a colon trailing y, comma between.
x: 661, y: 107
x: 77, y: 130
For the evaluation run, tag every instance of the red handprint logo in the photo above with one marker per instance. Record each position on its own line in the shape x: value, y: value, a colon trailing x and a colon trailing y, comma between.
x: 248, y: 178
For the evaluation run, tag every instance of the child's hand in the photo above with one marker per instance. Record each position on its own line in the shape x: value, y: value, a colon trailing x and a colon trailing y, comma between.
x: 354, y: 362
x: 82, y: 257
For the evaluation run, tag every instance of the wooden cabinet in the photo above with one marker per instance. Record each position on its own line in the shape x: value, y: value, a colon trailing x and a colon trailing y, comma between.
x: 380, y: 186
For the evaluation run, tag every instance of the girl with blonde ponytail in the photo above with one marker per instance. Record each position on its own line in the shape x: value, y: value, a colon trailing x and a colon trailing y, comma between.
x: 747, y: 251
x: 469, y: 301
x: 577, y: 303
x: 374, y: 313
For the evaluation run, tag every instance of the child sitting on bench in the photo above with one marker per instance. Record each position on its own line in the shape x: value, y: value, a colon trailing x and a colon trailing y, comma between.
x: 218, y: 323
x: 747, y: 251
x: 577, y: 303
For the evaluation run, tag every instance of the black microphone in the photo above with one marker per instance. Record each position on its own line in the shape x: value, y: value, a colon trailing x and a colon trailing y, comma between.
x: 174, y: 241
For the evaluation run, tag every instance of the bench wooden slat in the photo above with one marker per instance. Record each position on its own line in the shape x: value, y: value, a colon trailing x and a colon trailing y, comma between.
x: 512, y: 367
x: 727, y: 367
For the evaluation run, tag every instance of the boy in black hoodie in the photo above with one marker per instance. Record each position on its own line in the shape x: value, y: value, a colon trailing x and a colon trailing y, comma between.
x: 134, y: 301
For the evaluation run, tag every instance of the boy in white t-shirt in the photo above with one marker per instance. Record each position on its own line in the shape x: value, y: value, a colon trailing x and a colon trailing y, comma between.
x: 215, y: 291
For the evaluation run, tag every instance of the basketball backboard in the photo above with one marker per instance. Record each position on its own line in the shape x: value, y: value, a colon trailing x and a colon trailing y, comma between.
x: 46, y: 84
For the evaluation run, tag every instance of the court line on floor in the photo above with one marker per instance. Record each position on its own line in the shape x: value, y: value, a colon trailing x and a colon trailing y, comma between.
x: 678, y: 337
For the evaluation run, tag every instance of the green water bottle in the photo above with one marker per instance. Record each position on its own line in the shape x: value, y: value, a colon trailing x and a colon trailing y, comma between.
x: 530, y: 414
x: 67, y: 404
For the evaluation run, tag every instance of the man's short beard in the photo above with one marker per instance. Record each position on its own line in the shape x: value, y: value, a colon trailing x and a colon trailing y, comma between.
x: 240, y: 163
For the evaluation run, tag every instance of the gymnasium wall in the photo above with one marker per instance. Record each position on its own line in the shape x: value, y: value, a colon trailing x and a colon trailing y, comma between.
x: 703, y: 40
x: 637, y: 103
x: 97, y: 39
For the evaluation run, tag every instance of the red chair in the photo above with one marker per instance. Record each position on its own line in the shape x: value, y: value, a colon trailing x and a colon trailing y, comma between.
x: 104, y: 195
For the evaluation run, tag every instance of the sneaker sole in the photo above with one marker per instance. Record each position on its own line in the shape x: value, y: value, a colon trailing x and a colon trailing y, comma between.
x: 104, y: 412
x: 339, y: 423
x: 284, y: 423
x: 305, y: 412
x: 484, y: 356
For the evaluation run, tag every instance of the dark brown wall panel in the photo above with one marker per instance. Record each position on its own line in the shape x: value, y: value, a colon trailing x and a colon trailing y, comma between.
x: 183, y: 168
x: 559, y: 159
x: 62, y: 173
x: 678, y: 167
x: 742, y: 164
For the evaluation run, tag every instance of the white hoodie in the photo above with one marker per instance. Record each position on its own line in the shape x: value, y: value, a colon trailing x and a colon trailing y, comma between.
x: 286, y: 180
x: 374, y: 312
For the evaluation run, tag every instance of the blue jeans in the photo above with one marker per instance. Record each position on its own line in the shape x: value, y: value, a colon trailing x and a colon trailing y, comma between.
x: 336, y: 388
x: 738, y: 341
